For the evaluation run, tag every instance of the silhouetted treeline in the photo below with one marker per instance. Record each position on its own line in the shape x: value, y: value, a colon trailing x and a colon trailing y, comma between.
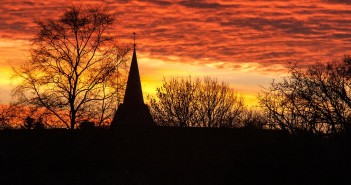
x: 185, y: 102
x: 314, y: 100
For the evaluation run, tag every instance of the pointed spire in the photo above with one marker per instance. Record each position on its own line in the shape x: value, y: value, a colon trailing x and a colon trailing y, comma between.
x: 133, y: 94
x: 133, y: 112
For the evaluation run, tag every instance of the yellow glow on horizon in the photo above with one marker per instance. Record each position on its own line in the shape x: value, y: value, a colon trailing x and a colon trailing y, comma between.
x: 244, y: 79
x: 12, y: 53
x: 245, y: 82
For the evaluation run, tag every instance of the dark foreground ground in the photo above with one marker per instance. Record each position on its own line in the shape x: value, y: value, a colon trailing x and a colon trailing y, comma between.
x: 170, y: 156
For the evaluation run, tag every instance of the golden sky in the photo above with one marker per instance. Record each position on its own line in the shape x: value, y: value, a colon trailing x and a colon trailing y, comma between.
x: 244, y: 43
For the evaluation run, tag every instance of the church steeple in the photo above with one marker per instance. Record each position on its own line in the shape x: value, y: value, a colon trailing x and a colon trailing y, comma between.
x: 134, y: 93
x: 133, y: 111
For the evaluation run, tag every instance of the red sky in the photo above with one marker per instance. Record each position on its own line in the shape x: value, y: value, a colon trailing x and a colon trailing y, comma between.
x: 245, y: 43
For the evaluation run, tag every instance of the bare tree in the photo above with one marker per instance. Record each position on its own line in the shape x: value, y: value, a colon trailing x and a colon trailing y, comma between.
x: 176, y: 103
x: 73, y: 66
x: 185, y: 102
x: 218, y: 105
x: 316, y: 100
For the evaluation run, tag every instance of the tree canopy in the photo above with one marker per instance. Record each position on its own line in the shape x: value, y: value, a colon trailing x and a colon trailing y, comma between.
x: 76, y: 67
x: 315, y: 100
x: 184, y: 102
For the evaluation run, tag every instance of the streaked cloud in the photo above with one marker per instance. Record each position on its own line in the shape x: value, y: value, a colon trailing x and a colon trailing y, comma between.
x: 264, y: 32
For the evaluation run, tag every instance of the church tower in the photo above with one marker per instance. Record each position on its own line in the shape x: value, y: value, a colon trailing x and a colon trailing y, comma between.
x: 133, y: 111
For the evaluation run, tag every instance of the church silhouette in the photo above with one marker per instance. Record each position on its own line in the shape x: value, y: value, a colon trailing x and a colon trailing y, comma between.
x: 133, y: 112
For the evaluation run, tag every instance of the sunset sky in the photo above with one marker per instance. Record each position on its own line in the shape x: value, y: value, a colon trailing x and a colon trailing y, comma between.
x: 244, y: 43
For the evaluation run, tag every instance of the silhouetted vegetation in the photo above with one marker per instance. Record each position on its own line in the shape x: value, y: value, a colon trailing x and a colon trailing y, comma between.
x: 254, y: 119
x: 184, y: 102
x: 7, y: 115
x: 13, y: 116
x: 31, y: 123
x: 74, y: 68
x: 315, y: 100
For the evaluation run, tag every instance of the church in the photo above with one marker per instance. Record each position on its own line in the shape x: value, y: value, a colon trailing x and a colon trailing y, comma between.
x: 133, y: 112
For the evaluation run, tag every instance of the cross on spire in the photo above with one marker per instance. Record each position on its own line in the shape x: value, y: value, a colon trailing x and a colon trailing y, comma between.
x: 134, y: 38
